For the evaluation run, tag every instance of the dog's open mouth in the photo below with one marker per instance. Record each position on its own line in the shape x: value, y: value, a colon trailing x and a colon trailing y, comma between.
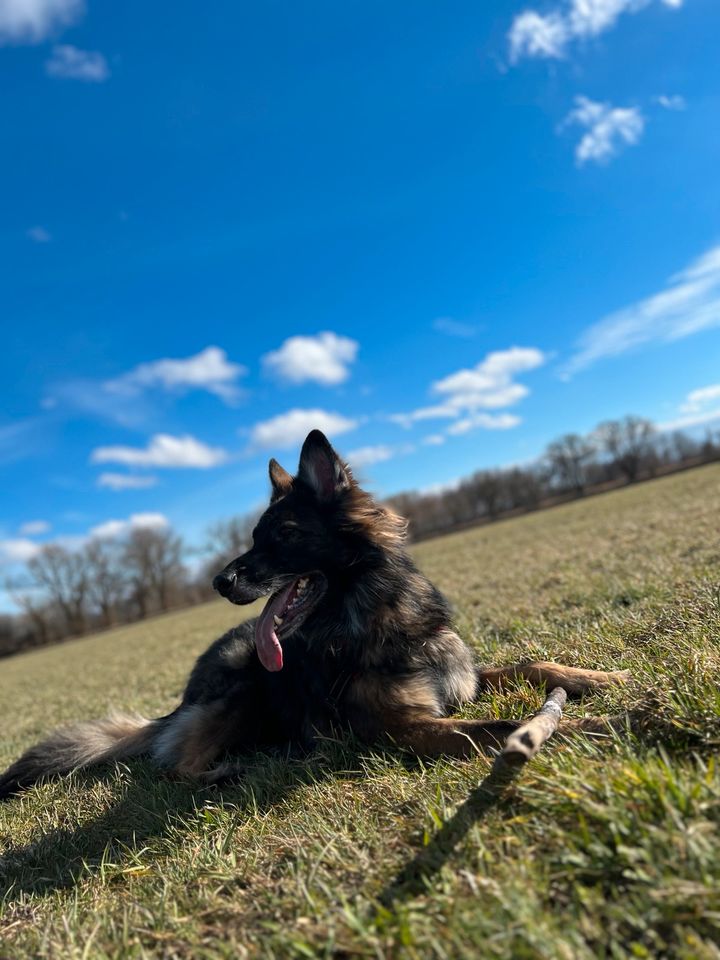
x: 284, y: 612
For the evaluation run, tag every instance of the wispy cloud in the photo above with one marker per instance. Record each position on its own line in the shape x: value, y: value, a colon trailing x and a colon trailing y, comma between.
x: 34, y: 528
x: 164, y: 451
x: 491, y: 385
x: 290, y: 429
x: 209, y: 370
x: 701, y: 398
x: 131, y: 398
x: 454, y: 328
x: 484, y: 421
x: 367, y: 456
x: 689, y: 303
x: 325, y: 359
x: 71, y: 63
x: 549, y: 35
x: 21, y: 439
x: 700, y: 407
x: 32, y: 21
x: 125, y: 481
x: 39, y: 234
x: 111, y: 529
x: 675, y: 102
x: 21, y: 550
x: 608, y: 129
x: 689, y: 420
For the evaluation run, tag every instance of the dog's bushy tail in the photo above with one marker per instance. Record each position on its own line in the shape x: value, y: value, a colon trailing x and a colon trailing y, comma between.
x: 83, y: 745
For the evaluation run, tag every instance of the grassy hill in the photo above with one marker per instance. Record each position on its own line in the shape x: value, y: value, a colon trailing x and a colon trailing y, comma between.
x: 604, y: 849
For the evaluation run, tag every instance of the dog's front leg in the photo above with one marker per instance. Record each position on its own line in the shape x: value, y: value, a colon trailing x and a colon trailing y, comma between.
x: 441, y: 736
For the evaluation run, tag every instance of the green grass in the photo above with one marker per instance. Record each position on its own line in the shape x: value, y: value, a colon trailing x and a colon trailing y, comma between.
x: 606, y: 849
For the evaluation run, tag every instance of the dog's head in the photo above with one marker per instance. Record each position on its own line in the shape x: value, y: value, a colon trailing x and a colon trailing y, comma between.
x: 318, y: 525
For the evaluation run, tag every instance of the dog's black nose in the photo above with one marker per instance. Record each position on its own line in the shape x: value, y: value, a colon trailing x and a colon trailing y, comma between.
x: 223, y: 583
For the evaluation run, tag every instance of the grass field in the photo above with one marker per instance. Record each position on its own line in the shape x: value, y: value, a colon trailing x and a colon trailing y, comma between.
x: 603, y: 849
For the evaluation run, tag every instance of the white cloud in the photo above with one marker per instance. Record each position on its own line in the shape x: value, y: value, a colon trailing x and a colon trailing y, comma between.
x: 164, y: 451
x: 324, y: 359
x: 435, y: 489
x: 125, y: 481
x: 289, y: 429
x: 31, y: 21
x: 608, y: 129
x: 34, y: 528
x: 690, y: 420
x: 485, y: 421
x: 675, y: 102
x: 137, y: 521
x: 488, y: 386
x: 39, y: 234
x: 549, y: 35
x: 535, y: 35
x: 433, y: 440
x: 698, y: 399
x: 367, y: 456
x: 208, y: 370
x: 689, y: 303
x: 74, y: 64
x: 18, y: 551
x: 437, y: 412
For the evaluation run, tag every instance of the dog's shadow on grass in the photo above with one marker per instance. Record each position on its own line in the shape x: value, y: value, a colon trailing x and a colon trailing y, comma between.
x: 415, y: 877
x: 149, y: 807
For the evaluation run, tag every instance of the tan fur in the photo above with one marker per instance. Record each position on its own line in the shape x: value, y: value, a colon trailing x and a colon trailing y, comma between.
x: 539, y: 672
x: 280, y: 479
x: 434, y: 737
x: 203, y: 743
x: 378, y: 523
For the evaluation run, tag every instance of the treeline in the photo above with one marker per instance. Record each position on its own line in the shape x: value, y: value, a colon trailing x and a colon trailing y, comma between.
x: 108, y: 581
x: 615, y: 453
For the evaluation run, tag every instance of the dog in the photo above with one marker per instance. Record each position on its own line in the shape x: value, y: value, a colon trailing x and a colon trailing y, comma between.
x: 353, y: 637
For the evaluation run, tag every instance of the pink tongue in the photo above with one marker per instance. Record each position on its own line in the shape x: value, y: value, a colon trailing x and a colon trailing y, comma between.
x: 266, y: 641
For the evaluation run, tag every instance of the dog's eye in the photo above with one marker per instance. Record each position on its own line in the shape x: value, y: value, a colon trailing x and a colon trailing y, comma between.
x: 290, y: 532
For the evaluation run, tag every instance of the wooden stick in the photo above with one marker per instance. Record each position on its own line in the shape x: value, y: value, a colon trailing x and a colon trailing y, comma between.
x: 524, y: 743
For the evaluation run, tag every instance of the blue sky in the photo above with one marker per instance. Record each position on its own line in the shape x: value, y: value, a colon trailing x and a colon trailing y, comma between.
x: 444, y: 232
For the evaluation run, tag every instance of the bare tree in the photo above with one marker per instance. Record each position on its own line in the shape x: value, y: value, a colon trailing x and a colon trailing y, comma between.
x: 227, y: 539
x: 523, y: 487
x: 628, y: 442
x: 105, y: 580
x: 487, y: 487
x: 153, y: 561
x: 567, y: 458
x: 61, y: 574
x: 684, y: 447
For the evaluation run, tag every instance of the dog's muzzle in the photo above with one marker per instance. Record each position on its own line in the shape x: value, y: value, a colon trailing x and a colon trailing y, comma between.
x: 224, y: 583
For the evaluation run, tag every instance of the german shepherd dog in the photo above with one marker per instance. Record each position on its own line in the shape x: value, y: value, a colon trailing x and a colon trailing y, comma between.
x: 352, y: 637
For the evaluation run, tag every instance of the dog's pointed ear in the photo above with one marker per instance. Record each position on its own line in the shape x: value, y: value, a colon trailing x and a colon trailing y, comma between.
x: 280, y: 479
x: 321, y: 468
